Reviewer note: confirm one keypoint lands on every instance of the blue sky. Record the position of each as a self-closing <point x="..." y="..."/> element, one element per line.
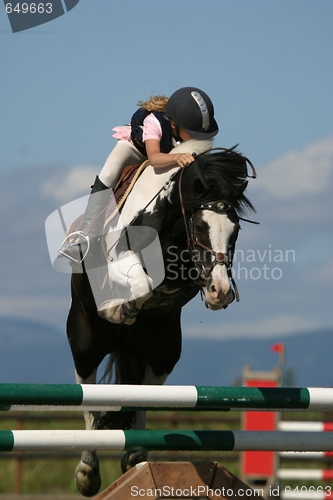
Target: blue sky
<point x="266" y="64"/>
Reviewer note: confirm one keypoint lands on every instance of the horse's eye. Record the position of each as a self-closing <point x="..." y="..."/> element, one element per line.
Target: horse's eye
<point x="198" y="229"/>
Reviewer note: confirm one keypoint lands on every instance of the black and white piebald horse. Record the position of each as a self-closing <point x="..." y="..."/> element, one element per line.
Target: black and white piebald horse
<point x="174" y="236"/>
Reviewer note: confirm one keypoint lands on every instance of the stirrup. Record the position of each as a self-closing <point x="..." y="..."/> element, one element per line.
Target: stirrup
<point x="76" y="242"/>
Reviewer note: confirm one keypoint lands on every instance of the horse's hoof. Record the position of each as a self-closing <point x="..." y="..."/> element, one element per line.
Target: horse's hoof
<point x="132" y="458"/>
<point x="87" y="476"/>
<point x="118" y="311"/>
<point x="129" y="312"/>
<point x="111" y="310"/>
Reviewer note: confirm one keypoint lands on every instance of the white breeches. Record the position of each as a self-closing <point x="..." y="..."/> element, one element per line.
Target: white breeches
<point x="122" y="155"/>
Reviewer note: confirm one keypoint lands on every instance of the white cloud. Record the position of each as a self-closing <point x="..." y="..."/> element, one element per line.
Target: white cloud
<point x="74" y="184"/>
<point x="298" y="173"/>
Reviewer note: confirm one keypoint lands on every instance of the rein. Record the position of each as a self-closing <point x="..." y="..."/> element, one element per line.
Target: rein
<point x="168" y="182"/>
<point x="163" y="188"/>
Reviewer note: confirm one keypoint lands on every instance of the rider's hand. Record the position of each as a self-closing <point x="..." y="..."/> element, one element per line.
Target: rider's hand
<point x="185" y="160"/>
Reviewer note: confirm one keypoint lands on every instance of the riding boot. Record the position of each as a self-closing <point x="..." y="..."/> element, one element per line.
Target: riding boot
<point x="76" y="246"/>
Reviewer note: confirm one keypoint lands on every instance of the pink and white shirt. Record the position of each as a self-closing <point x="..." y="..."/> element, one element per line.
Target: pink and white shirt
<point x="151" y="130"/>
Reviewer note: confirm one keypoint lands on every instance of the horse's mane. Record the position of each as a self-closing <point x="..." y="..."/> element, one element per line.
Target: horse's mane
<point x="217" y="176"/>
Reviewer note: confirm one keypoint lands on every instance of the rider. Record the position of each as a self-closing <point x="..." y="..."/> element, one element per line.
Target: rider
<point x="155" y="129"/>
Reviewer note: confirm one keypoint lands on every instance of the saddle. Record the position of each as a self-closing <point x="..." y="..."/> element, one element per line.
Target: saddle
<point x="123" y="187"/>
<point x="121" y="191"/>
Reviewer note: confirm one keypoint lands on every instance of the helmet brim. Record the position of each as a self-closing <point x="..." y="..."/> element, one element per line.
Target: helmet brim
<point x="213" y="130"/>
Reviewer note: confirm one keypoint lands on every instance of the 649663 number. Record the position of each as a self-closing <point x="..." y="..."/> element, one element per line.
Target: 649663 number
<point x="307" y="492"/>
<point x="32" y="8"/>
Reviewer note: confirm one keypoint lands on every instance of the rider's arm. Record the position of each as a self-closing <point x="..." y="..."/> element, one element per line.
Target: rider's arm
<point x="158" y="159"/>
<point x="152" y="135"/>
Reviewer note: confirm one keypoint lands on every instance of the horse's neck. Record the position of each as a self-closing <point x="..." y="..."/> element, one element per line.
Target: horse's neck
<point x="152" y="181"/>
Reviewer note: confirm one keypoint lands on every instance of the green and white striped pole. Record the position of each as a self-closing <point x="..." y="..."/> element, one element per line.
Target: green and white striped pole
<point x="55" y="440"/>
<point x="121" y="397"/>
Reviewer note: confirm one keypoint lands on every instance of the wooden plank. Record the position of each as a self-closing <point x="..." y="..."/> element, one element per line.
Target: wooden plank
<point x="182" y="475"/>
<point x="201" y="480"/>
<point x="230" y="485"/>
<point x="139" y="478"/>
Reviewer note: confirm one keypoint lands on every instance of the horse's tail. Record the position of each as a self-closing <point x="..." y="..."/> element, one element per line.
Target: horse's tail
<point x="122" y="367"/>
<point x="111" y="372"/>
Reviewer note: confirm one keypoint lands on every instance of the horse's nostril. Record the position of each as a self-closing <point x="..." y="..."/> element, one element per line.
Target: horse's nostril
<point x="213" y="292"/>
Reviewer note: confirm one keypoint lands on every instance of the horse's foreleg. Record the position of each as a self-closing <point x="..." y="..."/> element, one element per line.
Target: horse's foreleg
<point x="129" y="273"/>
<point x="87" y="475"/>
<point x="132" y="458"/>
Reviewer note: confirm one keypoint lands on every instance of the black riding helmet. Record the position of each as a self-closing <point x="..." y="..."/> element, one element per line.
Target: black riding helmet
<point x="192" y="109"/>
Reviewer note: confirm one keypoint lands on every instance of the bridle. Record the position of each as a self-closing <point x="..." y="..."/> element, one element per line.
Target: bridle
<point x="193" y="243"/>
<point x="218" y="206"/>
<point x="220" y="258"/>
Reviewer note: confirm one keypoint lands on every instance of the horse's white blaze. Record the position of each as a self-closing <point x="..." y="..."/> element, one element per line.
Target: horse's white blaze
<point x="220" y="230"/>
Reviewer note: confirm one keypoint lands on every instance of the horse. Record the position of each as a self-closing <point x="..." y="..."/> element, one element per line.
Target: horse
<point x="189" y="219"/>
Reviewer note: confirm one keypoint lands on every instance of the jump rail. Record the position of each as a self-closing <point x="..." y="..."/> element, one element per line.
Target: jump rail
<point x="305" y="474"/>
<point x="284" y="425"/>
<point x="25" y="440"/>
<point x="307" y="455"/>
<point x="132" y="397"/>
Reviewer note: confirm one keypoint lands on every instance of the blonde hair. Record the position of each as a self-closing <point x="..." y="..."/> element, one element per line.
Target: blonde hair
<point x="155" y="103"/>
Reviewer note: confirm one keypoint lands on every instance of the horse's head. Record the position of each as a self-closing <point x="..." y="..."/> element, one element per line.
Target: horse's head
<point x="213" y="236"/>
<point x="213" y="197"/>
